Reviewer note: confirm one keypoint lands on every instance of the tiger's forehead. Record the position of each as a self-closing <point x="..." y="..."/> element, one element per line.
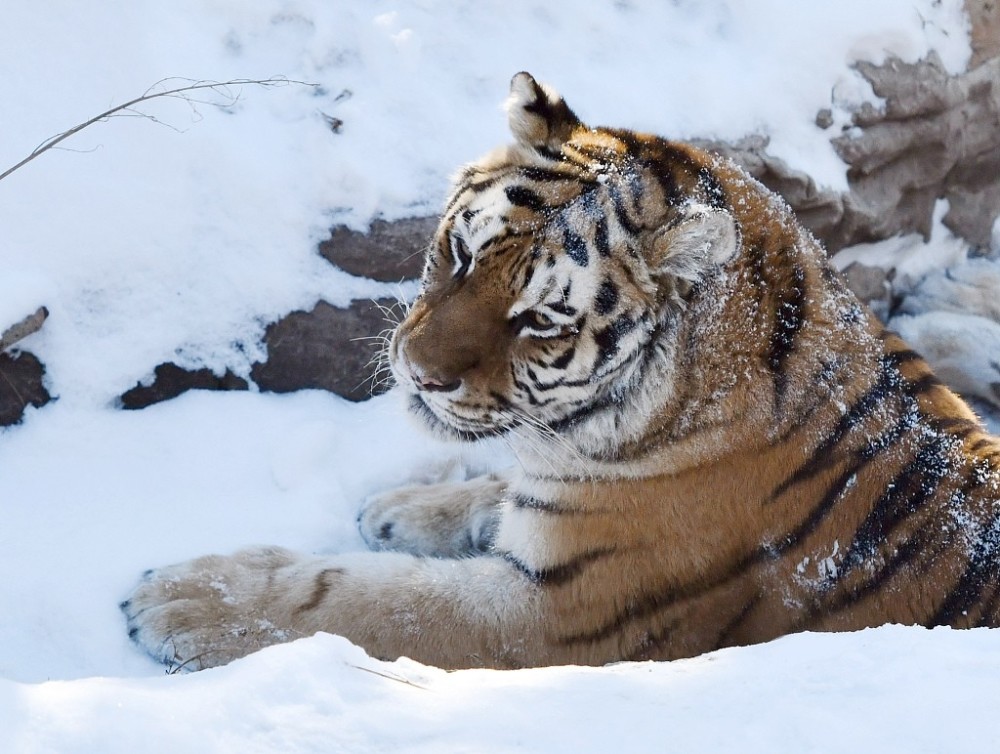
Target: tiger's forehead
<point x="481" y="218"/>
<point x="541" y="254"/>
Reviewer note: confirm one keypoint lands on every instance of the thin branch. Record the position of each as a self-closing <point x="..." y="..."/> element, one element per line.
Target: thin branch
<point x="387" y="676"/>
<point x="222" y="88"/>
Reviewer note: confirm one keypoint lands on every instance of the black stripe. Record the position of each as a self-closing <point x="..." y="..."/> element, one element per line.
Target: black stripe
<point x="460" y="250"/>
<point x="966" y="592"/>
<point x="789" y="316"/>
<point x="607" y="298"/>
<point x="906" y="354"/>
<point x="601" y="240"/>
<point x="957" y="424"/>
<point x="521" y="196"/>
<point x="983" y="442"/>
<point x="529" y="394"/>
<point x="562" y="308"/>
<point x="923" y="384"/>
<point x="621" y="213"/>
<point x="563" y="361"/>
<point x="661" y="159"/>
<point x="987" y="615"/>
<point x="503" y="236"/>
<point x="548" y="175"/>
<point x="981" y="569"/>
<point x="712" y="186"/>
<point x="474" y="187"/>
<point x="581" y="411"/>
<point x="562" y="574"/>
<point x="575" y="247"/>
<point x="526" y="502"/>
<point x="607" y="338"/>
<point x="724" y="637"/>
<point x="920" y="545"/>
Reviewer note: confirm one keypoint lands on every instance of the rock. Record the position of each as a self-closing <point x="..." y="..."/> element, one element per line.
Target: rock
<point x="873" y="285"/>
<point x="970" y="288"/>
<point x="170" y="380"/>
<point x="984" y="16"/>
<point x="389" y="251"/>
<point x="937" y="136"/>
<point x="961" y="349"/>
<point x="328" y="348"/>
<point x="21" y="385"/>
<point x="952" y="318"/>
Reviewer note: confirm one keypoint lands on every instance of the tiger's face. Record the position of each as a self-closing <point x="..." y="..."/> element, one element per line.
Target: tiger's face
<point x="553" y="277"/>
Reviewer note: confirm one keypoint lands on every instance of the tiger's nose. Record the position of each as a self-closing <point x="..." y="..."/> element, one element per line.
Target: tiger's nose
<point x="435" y="385"/>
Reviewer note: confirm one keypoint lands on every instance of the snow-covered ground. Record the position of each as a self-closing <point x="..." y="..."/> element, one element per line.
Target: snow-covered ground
<point x="181" y="239"/>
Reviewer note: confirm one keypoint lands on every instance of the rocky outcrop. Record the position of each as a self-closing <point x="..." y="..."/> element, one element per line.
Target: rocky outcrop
<point x="326" y="348"/>
<point x="21" y="376"/>
<point x="170" y="380"/>
<point x="937" y="137"/>
<point x="329" y="348"/>
<point x="388" y="252"/>
<point x="952" y="318"/>
<point x="984" y="19"/>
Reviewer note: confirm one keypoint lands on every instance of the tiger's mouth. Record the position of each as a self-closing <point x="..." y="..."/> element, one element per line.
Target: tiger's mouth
<point x="453" y="426"/>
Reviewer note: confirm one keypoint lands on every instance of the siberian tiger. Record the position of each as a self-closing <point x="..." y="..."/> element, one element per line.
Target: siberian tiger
<point x="717" y="443"/>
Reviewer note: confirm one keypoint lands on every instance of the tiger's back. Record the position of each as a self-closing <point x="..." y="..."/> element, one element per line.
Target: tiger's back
<point x="717" y="443"/>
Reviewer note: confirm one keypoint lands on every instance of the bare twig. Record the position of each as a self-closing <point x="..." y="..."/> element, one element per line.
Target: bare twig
<point x="224" y="89"/>
<point x="23" y="329"/>
<point x="387" y="676"/>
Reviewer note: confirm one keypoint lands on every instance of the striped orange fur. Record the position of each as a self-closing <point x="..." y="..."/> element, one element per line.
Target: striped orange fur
<point x="717" y="443"/>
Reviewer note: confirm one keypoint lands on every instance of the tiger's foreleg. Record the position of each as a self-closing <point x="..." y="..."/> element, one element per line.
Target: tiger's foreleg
<point x="446" y="612"/>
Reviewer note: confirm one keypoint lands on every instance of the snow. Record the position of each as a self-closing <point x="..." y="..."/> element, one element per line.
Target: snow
<point x="798" y="694"/>
<point x="181" y="239"/>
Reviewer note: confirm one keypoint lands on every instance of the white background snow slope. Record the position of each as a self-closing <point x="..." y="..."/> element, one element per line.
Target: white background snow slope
<point x="152" y="242"/>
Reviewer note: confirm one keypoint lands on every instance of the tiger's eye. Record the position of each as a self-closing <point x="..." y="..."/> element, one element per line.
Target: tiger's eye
<point x="538" y="320"/>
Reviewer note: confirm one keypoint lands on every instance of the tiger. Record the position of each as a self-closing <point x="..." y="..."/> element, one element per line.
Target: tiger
<point x="716" y="443"/>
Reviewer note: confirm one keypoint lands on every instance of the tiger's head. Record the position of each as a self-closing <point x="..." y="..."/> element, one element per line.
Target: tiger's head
<point x="559" y="290"/>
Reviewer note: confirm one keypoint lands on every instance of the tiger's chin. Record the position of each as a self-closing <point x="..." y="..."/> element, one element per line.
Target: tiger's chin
<point x="447" y="428"/>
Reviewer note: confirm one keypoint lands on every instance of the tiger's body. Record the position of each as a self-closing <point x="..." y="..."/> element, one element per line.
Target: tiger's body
<point x="717" y="443"/>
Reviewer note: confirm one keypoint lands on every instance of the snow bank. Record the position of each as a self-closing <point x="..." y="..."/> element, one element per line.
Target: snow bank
<point x="887" y="690"/>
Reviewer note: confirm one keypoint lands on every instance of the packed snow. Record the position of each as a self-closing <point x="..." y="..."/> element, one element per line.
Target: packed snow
<point x="180" y="232"/>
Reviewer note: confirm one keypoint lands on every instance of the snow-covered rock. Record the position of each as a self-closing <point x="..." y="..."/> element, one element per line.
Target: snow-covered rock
<point x="963" y="349"/>
<point x="952" y="318"/>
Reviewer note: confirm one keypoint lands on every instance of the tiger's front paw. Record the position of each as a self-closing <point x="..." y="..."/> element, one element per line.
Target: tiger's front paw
<point x="452" y="519"/>
<point x="211" y="610"/>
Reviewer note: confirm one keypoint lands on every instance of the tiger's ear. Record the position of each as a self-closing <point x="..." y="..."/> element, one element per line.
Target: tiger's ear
<point x="539" y="117"/>
<point x="704" y="237"/>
